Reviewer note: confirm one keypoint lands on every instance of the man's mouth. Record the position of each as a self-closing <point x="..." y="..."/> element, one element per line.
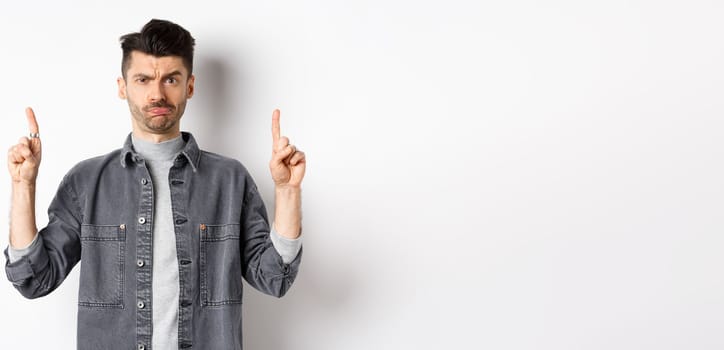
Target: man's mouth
<point x="159" y="110"/>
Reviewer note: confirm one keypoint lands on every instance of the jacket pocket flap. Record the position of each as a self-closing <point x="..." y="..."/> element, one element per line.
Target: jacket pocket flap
<point x="102" y="232"/>
<point x="219" y="232"/>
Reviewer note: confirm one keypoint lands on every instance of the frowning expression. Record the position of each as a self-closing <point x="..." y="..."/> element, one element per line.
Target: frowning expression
<point x="156" y="89"/>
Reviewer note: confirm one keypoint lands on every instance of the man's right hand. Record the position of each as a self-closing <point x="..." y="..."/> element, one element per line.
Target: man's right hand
<point x="24" y="158"/>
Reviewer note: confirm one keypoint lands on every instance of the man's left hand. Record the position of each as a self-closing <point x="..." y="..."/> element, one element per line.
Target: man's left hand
<point x="288" y="163"/>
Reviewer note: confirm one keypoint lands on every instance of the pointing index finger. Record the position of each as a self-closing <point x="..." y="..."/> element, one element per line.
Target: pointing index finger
<point x="32" y="122"/>
<point x="276" y="129"/>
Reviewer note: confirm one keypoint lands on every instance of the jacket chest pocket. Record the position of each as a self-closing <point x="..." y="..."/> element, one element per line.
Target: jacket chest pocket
<point x="220" y="264"/>
<point x="102" y="259"/>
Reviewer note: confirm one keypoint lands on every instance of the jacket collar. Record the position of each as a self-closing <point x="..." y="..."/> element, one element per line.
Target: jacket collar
<point x="190" y="152"/>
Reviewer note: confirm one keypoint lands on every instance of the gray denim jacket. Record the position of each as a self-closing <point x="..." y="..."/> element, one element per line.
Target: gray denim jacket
<point x="102" y="216"/>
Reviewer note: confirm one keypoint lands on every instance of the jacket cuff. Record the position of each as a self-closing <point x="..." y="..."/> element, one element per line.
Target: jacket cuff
<point x="35" y="260"/>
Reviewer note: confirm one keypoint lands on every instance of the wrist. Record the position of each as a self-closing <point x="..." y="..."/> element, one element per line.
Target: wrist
<point x="287" y="211"/>
<point x="287" y="188"/>
<point x="23" y="186"/>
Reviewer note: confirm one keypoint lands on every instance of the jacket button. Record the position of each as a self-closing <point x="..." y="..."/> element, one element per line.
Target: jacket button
<point x="140" y="263"/>
<point x="202" y="226"/>
<point x="122" y="226"/>
<point x="141" y="221"/>
<point x="141" y="347"/>
<point x="141" y="305"/>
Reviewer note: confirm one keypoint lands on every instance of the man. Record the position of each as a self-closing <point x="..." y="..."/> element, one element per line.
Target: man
<point x="164" y="231"/>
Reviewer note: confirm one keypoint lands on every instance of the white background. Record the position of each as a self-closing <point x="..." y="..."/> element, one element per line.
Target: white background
<point x="482" y="174"/>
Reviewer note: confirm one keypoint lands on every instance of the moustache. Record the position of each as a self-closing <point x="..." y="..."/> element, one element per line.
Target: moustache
<point x="158" y="105"/>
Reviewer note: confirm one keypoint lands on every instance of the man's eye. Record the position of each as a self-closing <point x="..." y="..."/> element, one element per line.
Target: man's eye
<point x="141" y="80"/>
<point x="171" y="80"/>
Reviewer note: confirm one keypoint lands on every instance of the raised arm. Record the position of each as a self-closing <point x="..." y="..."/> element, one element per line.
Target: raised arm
<point x="23" y="163"/>
<point x="38" y="262"/>
<point x="287" y="169"/>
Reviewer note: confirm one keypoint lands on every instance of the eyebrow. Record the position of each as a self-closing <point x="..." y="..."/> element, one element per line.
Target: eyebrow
<point x="174" y="73"/>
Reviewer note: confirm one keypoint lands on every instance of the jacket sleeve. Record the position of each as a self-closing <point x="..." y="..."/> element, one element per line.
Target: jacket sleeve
<point x="56" y="251"/>
<point x="262" y="266"/>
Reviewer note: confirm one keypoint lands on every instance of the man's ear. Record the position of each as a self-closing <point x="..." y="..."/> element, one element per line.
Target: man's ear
<point x="190" y="86"/>
<point x="121" y="88"/>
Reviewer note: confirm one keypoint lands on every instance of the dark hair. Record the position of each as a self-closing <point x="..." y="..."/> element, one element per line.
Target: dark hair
<point x="159" y="38"/>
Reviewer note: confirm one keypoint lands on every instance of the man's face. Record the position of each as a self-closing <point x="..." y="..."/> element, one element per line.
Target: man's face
<point x="156" y="89"/>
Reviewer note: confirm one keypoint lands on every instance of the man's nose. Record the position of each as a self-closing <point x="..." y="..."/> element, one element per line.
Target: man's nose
<point x="155" y="92"/>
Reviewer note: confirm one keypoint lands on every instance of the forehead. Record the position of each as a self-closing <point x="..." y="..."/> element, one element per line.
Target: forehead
<point x="150" y="65"/>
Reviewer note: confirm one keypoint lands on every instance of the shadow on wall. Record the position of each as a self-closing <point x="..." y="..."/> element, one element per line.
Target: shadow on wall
<point x="321" y="291"/>
<point x="212" y="101"/>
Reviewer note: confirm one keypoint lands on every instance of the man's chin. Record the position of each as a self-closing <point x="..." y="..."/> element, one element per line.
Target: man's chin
<point x="160" y="125"/>
<point x="159" y="116"/>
